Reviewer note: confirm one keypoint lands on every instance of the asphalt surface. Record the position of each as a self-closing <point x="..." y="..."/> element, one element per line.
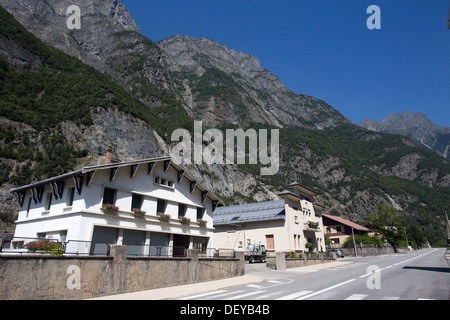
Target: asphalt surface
<point x="417" y="275"/>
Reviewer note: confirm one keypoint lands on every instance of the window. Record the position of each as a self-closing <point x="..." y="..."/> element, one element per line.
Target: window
<point x="163" y="182"/>
<point x="270" y="243"/>
<point x="181" y="210"/>
<point x="161" y="206"/>
<point x="200" y="213"/>
<point x="70" y="196"/>
<point x="335" y="241"/>
<point x="136" y="201"/>
<point x="109" y="196"/>
<point x="296" y="219"/>
<point x="338" y="229"/>
<point x="48" y="201"/>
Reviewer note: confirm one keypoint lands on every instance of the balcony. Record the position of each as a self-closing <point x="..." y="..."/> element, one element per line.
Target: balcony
<point x="311" y="226"/>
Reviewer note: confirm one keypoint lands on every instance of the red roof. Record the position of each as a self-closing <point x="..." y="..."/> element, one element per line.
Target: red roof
<point x="347" y="223"/>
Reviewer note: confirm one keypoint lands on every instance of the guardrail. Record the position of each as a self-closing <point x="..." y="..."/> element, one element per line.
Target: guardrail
<point x="89" y="248"/>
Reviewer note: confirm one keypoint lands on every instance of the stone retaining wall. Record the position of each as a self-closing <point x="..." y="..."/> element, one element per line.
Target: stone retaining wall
<point x="37" y="277"/>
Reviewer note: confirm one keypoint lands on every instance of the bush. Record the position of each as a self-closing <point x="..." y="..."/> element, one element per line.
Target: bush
<point x="55" y="248"/>
<point x="364" y="239"/>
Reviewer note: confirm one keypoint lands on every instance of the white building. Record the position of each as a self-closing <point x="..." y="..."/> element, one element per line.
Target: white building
<point x="283" y="225"/>
<point x="68" y="208"/>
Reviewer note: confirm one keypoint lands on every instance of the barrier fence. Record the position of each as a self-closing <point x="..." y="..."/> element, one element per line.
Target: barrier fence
<point x="79" y="247"/>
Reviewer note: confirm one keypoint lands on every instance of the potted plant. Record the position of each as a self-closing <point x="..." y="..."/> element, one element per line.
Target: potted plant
<point x="163" y="217"/>
<point x="138" y="213"/>
<point x="313" y="225"/>
<point x="110" y="208"/>
<point x="45" y="246"/>
<point x="184" y="220"/>
<point x="309" y="246"/>
<point x="202" y="223"/>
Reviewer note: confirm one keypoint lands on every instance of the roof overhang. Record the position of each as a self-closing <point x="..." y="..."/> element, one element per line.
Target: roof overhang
<point x="303" y="190"/>
<point x="347" y="223"/>
<point x="169" y="161"/>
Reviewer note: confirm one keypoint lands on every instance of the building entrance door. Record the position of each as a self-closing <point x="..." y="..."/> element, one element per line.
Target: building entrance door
<point x="180" y="245"/>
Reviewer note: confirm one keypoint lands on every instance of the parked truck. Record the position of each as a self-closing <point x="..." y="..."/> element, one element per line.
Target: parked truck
<point x="255" y="252"/>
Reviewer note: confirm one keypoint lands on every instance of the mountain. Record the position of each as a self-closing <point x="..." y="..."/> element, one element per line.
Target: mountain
<point x="417" y="126"/>
<point x="221" y="85"/>
<point x="67" y="94"/>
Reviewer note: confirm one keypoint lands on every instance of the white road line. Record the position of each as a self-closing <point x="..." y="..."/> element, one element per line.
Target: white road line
<point x="256" y="286"/>
<point x="227" y="294"/>
<point x="270" y="294"/>
<point x="294" y="295"/>
<point x="325" y="290"/>
<point x="245" y="295"/>
<point x="203" y="295"/>
<point x="356" y="297"/>
<point x="365" y="275"/>
<point x="390" y="298"/>
<point x="275" y="281"/>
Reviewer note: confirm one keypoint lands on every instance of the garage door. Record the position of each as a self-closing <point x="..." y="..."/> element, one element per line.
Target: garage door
<point x="102" y="238"/>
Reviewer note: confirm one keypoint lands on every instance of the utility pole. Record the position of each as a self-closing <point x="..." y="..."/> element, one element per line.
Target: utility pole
<point x="448" y="227"/>
<point x="354" y="243"/>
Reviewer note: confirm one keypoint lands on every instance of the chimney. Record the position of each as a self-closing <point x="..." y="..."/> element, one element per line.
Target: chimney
<point x="108" y="159"/>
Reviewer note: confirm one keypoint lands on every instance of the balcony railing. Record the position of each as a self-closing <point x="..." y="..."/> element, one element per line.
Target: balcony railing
<point x="311" y="226"/>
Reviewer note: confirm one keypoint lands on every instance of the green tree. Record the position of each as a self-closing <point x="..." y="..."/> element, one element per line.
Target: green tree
<point x="390" y="224"/>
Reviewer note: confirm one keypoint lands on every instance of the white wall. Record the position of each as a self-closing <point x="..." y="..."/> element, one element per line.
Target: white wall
<point x="229" y="236"/>
<point x="79" y="219"/>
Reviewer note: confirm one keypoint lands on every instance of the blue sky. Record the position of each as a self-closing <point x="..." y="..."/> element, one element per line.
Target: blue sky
<point x="323" y="48"/>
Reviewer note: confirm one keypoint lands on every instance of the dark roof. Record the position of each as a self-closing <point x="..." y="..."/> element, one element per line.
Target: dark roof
<point x="262" y="211"/>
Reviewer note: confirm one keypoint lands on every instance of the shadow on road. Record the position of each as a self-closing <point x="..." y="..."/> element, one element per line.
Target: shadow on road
<point x="429" y="269"/>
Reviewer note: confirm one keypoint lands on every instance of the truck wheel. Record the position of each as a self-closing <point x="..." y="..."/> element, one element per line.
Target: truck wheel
<point x="251" y="260"/>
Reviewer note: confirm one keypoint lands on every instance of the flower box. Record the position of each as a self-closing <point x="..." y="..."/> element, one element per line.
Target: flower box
<point x="202" y="223"/>
<point x="45" y="246"/>
<point x="163" y="217"/>
<point x="184" y="221"/>
<point x="138" y="213"/>
<point x="109" y="208"/>
<point x="313" y="225"/>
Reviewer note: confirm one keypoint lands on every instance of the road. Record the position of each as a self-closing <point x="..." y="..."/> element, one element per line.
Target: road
<point x="417" y="275"/>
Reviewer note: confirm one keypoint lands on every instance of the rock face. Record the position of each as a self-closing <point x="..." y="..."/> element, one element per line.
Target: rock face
<point x="417" y="126"/>
<point x="197" y="65"/>
<point x="182" y="79"/>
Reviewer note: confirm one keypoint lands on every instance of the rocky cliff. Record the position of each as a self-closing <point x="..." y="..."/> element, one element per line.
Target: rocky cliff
<point x="221" y="85"/>
<point x="417" y="126"/>
<point x="137" y="92"/>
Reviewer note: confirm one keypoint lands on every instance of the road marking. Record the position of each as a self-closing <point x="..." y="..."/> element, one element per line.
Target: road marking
<point x="270" y="294"/>
<point x="203" y="295"/>
<point x="227" y="294"/>
<point x="356" y="297"/>
<point x="390" y="298"/>
<point x="326" y="289"/>
<point x="294" y="295"/>
<point x="276" y="281"/>
<point x="245" y="295"/>
<point x="256" y="286"/>
<point x="365" y="275"/>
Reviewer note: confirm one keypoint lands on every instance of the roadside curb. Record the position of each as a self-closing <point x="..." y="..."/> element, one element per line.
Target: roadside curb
<point x="183" y="290"/>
